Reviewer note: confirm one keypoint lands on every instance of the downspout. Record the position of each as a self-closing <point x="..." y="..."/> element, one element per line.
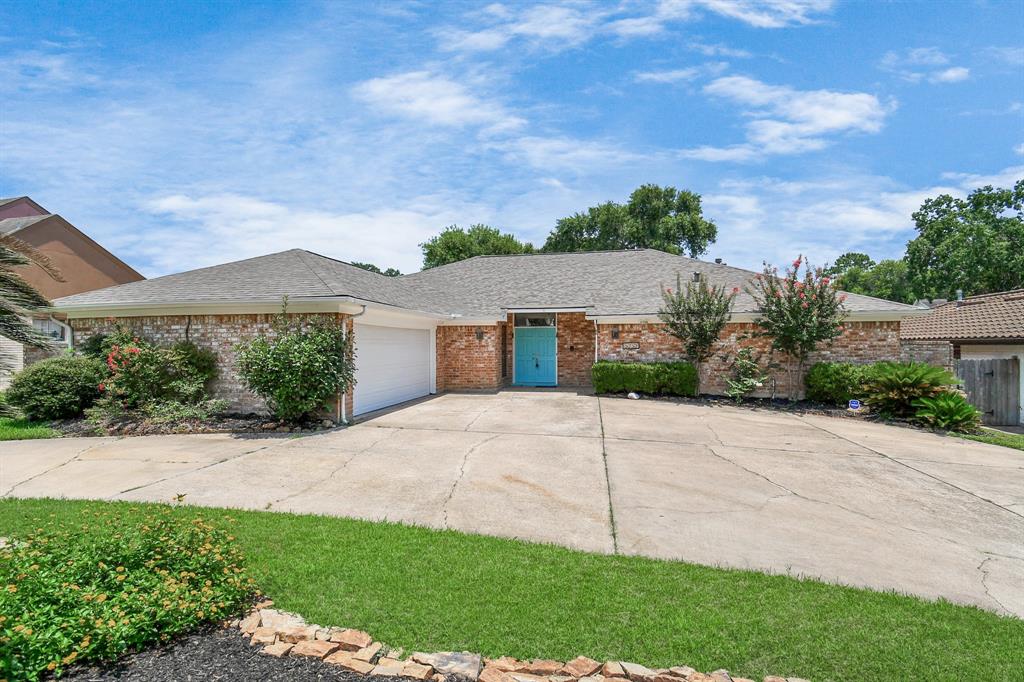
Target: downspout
<point x="597" y="339"/>
<point x="340" y="412"/>
<point x="68" y="331"/>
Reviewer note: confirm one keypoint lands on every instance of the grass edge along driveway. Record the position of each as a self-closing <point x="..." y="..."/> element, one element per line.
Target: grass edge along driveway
<point x="441" y="590"/>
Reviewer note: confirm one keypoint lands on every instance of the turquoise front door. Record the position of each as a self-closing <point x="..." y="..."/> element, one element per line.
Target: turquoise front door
<point x="535" y="356"/>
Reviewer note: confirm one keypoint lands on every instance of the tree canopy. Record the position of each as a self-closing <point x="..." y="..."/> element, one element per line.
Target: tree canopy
<point x="455" y="244"/>
<point x="390" y="272"/>
<point x="974" y="244"/>
<point x="858" y="273"/>
<point x="654" y="217"/>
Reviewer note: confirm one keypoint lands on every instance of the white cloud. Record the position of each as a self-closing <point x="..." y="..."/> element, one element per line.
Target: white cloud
<point x="561" y="26"/>
<point x="38" y="70"/>
<point x="923" y="63"/>
<point x="437" y="99"/>
<point x="760" y="13"/>
<point x="1019" y="149"/>
<point x="229" y="227"/>
<point x="951" y="75"/>
<point x="1014" y="56"/>
<point x="1004" y="178"/>
<point x="676" y="75"/>
<point x="566" y="154"/>
<point x="790" y="121"/>
<point x="719" y="50"/>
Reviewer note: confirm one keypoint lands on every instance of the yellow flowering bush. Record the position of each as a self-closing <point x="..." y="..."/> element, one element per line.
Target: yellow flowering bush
<point x="112" y="583"/>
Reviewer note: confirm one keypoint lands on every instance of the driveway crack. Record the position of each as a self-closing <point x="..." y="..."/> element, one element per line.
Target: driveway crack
<point x="458" y="479"/>
<point x="333" y="471"/>
<point x="984" y="584"/>
<point x="830" y="503"/>
<point x="55" y="467"/>
<point x="923" y="473"/>
<point x="191" y="471"/>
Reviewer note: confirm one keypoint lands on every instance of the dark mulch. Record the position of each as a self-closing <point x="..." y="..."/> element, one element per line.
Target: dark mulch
<point x="222" y="655"/>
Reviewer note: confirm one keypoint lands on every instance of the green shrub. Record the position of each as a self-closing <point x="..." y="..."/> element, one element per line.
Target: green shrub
<point x="667" y="378"/>
<point x="171" y="411"/>
<point x="190" y="368"/>
<point x="57" y="388"/>
<point x="948" y="411"/>
<point x="94" y="347"/>
<point x="835" y="383"/>
<point x="299" y="369"/>
<point x="890" y="388"/>
<point x="97" y="589"/>
<point x="747" y="375"/>
<point x="141" y="373"/>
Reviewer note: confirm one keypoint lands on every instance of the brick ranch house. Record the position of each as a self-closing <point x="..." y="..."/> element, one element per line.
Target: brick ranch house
<point x="479" y="324"/>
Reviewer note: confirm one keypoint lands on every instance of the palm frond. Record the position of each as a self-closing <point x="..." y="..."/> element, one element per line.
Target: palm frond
<point x="27" y="251"/>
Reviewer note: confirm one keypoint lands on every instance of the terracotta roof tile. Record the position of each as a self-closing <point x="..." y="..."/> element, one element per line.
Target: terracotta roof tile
<point x="987" y="316"/>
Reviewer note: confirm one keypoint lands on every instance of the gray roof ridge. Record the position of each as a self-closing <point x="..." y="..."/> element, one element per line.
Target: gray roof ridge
<point x="349" y="263"/>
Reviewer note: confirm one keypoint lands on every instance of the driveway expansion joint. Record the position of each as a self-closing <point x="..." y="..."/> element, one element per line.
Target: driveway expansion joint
<point x="608" y="481"/>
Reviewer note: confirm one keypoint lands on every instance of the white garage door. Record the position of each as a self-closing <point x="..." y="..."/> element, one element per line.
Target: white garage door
<point x="392" y="366"/>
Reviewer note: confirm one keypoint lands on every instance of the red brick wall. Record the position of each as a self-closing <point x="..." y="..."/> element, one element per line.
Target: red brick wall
<point x="575" y="348"/>
<point x="938" y="353"/>
<point x="465" y="362"/>
<point x="218" y="333"/>
<point x="861" y="342"/>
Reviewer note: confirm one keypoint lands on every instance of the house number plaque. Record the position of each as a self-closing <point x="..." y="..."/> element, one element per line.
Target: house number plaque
<point x="631" y="345"/>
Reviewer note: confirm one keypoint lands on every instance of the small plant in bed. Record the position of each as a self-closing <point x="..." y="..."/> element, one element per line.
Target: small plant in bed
<point x="109" y="584"/>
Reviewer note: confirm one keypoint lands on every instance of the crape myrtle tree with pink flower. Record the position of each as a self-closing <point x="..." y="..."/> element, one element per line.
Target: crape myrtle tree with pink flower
<point x="797" y="311"/>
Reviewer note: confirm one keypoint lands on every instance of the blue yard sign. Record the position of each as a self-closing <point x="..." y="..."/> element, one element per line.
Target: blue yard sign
<point x="854" y="404"/>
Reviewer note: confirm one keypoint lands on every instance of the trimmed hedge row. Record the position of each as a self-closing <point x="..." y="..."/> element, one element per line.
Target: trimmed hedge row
<point x="653" y="378"/>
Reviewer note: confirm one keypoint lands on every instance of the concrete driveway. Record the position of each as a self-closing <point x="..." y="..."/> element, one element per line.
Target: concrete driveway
<point x="837" y="499"/>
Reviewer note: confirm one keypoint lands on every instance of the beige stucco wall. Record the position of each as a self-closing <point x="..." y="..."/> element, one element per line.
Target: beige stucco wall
<point x="84" y="264"/>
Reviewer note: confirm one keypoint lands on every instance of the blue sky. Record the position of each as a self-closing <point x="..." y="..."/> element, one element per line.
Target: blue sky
<point x="188" y="134"/>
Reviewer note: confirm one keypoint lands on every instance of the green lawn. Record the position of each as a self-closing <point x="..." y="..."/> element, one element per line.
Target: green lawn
<point x="19" y="429"/>
<point x="1007" y="440"/>
<point x="442" y="590"/>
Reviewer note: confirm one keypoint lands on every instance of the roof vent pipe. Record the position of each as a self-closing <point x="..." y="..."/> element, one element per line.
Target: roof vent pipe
<point x="959" y="294"/>
<point x="718" y="261"/>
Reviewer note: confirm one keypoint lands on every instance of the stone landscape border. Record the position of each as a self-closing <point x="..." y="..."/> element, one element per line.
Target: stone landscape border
<point x="285" y="634"/>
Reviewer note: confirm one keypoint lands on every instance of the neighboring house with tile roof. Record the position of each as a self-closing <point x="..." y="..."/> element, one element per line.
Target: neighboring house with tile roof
<point x="478" y="324"/>
<point x="84" y="265"/>
<point x="987" y="327"/>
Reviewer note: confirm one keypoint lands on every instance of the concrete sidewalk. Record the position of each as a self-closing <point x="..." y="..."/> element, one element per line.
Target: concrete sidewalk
<point x="836" y="499"/>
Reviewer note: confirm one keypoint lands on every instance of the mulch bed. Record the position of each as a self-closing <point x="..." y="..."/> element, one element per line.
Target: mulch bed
<point x="220" y="654"/>
<point x="756" y="405"/>
<point x="229" y="423"/>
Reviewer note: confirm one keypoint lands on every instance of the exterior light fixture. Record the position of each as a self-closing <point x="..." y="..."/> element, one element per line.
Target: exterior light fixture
<point x="696" y="277"/>
<point x="479" y="334"/>
<point x="615" y="332"/>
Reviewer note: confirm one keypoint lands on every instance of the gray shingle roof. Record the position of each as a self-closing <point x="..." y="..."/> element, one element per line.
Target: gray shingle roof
<point x="603" y="282"/>
<point x="12" y="225"/>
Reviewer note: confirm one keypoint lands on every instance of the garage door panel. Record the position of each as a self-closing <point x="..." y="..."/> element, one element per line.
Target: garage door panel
<point x="392" y="366"/>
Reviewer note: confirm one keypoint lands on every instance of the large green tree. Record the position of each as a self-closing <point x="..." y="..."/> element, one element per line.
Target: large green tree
<point x="858" y="273"/>
<point x="655" y="217"/>
<point x="455" y="244"/>
<point x="974" y="244"/>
